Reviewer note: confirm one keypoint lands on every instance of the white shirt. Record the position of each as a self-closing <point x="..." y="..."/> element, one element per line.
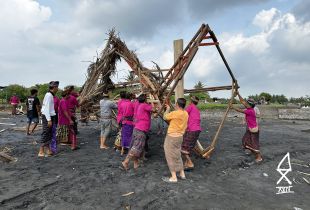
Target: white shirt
<point x="48" y="106"/>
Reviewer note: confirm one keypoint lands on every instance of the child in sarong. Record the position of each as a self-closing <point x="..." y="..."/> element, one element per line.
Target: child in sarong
<point x="192" y="132"/>
<point x="250" y="139"/>
<point x="174" y="138"/>
<point x="139" y="136"/>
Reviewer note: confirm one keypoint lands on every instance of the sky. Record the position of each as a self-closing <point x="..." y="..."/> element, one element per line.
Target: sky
<point x="266" y="42"/>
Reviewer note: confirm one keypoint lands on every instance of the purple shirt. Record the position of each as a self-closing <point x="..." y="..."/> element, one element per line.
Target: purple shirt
<point x="250" y="117"/>
<point x="127" y="109"/>
<point x="193" y="123"/>
<point x="143" y="117"/>
<point x="62" y="119"/>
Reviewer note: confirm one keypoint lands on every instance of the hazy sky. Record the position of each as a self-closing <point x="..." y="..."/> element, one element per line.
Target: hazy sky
<point x="266" y="43"/>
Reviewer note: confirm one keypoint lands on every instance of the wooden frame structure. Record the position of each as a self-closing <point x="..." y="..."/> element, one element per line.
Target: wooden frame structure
<point x="153" y="82"/>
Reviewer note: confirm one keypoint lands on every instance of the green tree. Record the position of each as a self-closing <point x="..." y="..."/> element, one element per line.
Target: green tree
<point x="19" y="90"/>
<point x="202" y="95"/>
<point x="199" y="85"/>
<point x="266" y="96"/>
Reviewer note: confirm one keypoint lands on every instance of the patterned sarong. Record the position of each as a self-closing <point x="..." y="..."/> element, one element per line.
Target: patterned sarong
<point x="137" y="143"/>
<point x="189" y="141"/>
<point x="47" y="132"/>
<point x="251" y="141"/>
<point x="63" y="134"/>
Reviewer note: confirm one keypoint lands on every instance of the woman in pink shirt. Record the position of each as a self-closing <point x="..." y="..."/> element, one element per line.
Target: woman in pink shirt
<point x="250" y="139"/>
<point x="119" y="105"/>
<point x="14" y="101"/>
<point x="65" y="130"/>
<point x="192" y="132"/>
<point x="127" y="110"/>
<point x="139" y="136"/>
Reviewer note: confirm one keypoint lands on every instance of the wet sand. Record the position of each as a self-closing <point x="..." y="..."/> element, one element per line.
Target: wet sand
<point x="90" y="178"/>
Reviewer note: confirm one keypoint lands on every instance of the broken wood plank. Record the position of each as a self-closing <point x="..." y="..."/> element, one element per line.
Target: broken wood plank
<point x="7" y="157"/>
<point x="127" y="194"/>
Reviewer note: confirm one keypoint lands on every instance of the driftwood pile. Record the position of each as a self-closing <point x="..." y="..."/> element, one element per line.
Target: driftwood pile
<point x="99" y="73"/>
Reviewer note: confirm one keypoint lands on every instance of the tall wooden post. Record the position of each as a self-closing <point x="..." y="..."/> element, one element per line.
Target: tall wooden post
<point x="178" y="49"/>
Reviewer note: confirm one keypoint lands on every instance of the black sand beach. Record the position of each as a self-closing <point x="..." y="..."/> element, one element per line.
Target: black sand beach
<point x="90" y="178"/>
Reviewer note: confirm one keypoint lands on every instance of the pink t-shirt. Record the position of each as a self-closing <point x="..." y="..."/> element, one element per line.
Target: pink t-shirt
<point x="62" y="119"/>
<point x="193" y="123"/>
<point x="127" y="112"/>
<point x="56" y="103"/>
<point x="14" y="100"/>
<point x="143" y="117"/>
<point x="72" y="103"/>
<point x="135" y="108"/>
<point x="119" y="110"/>
<point x="250" y="117"/>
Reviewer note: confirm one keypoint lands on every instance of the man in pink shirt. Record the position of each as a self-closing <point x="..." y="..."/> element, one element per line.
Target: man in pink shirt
<point x="14" y="101"/>
<point x="250" y="139"/>
<point x="139" y="136"/>
<point x="192" y="132"/>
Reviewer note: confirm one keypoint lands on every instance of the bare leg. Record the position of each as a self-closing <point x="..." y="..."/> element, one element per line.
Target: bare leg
<point x="102" y="143"/>
<point x="41" y="151"/>
<point x="135" y="163"/>
<point x="182" y="174"/>
<point x="173" y="176"/>
<point x="49" y="151"/>
<point x="33" y="128"/>
<point x="188" y="162"/>
<point x="258" y="157"/>
<point x="125" y="163"/>
<point x="27" y="129"/>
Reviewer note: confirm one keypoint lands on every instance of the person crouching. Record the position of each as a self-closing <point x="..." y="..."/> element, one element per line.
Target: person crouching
<point x="174" y="138"/>
<point x="139" y="136"/>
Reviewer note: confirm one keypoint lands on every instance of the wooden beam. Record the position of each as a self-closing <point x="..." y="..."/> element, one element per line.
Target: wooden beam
<point x="160" y="70"/>
<point x="178" y="49"/>
<point x="7" y="157"/>
<point x="228" y="87"/>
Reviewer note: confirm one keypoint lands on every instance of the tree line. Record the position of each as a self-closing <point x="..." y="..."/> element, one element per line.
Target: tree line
<point x="23" y="92"/>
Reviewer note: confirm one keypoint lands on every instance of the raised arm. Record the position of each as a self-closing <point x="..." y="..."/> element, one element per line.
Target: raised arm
<point x="243" y="101"/>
